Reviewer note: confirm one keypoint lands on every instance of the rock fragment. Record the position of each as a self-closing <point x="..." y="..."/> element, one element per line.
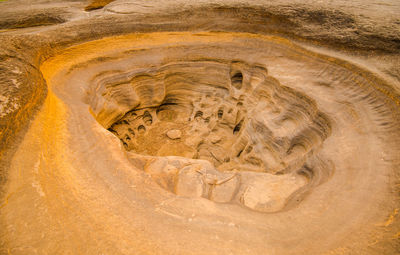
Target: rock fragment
<point x="174" y="134"/>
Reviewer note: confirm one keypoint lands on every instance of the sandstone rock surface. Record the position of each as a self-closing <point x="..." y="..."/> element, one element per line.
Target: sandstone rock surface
<point x="199" y="127"/>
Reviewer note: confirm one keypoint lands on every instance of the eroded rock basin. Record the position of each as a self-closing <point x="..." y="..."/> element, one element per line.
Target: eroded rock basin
<point x="227" y="112"/>
<point x="242" y="142"/>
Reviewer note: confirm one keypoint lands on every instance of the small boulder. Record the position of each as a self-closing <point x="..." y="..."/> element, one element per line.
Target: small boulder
<point x="174" y="134"/>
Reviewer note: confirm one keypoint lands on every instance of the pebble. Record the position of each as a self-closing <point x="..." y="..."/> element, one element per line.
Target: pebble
<point x="174" y="134"/>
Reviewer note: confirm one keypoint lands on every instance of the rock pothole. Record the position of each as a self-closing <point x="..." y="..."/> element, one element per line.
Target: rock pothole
<point x="225" y="118"/>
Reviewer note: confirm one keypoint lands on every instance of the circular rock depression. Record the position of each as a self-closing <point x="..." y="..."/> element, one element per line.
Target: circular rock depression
<point x="261" y="136"/>
<point x="249" y="144"/>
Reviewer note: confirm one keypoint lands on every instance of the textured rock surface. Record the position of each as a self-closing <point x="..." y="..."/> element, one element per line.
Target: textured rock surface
<point x="138" y="129"/>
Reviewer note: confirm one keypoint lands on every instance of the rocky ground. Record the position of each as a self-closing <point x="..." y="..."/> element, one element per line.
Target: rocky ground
<point x="199" y="127"/>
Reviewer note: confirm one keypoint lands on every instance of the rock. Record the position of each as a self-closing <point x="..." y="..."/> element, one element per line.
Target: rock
<point x="174" y="134"/>
<point x="214" y="138"/>
<point x="190" y="182"/>
<point x="224" y="188"/>
<point x="269" y="193"/>
<point x="255" y="102"/>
